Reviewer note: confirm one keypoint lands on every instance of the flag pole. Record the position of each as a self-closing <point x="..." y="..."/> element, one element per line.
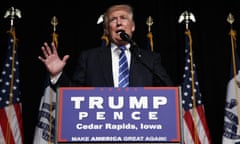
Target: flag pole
<point x="149" y="23"/>
<point x="233" y="35"/>
<point x="188" y="33"/>
<point x="54" y="22"/>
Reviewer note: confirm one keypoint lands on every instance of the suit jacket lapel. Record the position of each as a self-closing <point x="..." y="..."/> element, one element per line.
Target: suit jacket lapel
<point x="105" y="61"/>
<point x="132" y="75"/>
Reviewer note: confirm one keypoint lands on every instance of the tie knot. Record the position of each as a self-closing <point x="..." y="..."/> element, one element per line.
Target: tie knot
<point x="122" y="48"/>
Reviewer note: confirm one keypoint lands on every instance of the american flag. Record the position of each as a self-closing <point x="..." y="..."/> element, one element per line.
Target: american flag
<point x="195" y="129"/>
<point x="231" y="129"/>
<point x="11" y="129"/>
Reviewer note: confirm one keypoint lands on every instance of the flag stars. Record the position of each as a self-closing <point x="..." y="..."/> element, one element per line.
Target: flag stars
<point x="7" y="65"/>
<point x="196" y="83"/>
<point x="3" y="73"/>
<point x="7" y="83"/>
<point x="188" y="86"/>
<point x="184" y="75"/>
<point x="10" y="76"/>
<point x="3" y="91"/>
<point x="199" y="94"/>
<point x="7" y="102"/>
<point x="190" y="79"/>
<point x="14" y="87"/>
<point x="18" y="99"/>
<point x="183" y="102"/>
<point x="199" y="102"/>
<point x="190" y="105"/>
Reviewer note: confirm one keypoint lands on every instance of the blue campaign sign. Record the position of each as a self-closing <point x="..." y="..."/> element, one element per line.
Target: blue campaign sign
<point x="104" y="114"/>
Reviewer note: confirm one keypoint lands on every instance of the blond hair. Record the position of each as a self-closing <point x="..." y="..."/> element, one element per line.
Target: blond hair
<point x="125" y="7"/>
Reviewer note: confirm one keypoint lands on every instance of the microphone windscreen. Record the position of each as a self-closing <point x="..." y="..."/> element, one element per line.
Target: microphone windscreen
<point x="124" y="36"/>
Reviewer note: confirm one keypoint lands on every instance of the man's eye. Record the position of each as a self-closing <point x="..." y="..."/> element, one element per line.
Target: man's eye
<point x="124" y="17"/>
<point x="113" y="20"/>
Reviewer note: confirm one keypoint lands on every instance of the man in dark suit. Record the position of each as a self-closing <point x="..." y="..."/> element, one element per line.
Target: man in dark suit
<point x="99" y="66"/>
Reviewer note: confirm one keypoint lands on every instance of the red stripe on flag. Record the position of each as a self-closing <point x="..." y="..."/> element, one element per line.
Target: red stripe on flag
<point x="203" y="121"/>
<point x="17" y="108"/>
<point x="191" y="127"/>
<point x="6" y="129"/>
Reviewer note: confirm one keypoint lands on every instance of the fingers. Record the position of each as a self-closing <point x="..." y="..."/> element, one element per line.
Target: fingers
<point x="65" y="58"/>
<point x="41" y="59"/>
<point x="54" y="49"/>
<point x="47" y="51"/>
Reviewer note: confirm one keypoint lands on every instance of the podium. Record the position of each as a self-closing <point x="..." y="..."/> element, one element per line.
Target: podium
<point x="118" y="115"/>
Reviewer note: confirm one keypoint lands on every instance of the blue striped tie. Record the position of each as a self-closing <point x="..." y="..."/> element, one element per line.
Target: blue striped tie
<point x="123" y="78"/>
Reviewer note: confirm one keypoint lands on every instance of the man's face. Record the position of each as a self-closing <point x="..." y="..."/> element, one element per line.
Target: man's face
<point x="119" y="19"/>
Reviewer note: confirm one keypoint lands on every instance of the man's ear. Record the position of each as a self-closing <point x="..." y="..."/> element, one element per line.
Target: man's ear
<point x="105" y="31"/>
<point x="133" y="27"/>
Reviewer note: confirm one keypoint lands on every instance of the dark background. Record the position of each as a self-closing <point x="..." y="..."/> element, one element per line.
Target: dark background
<point x="78" y="31"/>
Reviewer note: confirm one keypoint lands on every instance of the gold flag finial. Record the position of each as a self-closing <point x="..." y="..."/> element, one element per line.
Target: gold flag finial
<point x="149" y="22"/>
<point x="230" y="18"/>
<point x="54" y="22"/>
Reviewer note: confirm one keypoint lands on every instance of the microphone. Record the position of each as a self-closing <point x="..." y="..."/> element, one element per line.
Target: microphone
<point x="124" y="36"/>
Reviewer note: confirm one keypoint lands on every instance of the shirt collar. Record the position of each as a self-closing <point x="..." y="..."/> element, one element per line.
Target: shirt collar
<point x="114" y="46"/>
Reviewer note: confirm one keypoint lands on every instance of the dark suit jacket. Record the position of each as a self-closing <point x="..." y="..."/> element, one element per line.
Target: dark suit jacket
<point x="94" y="68"/>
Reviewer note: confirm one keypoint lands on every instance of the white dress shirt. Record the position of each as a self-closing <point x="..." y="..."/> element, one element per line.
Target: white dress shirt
<point x="115" y="58"/>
